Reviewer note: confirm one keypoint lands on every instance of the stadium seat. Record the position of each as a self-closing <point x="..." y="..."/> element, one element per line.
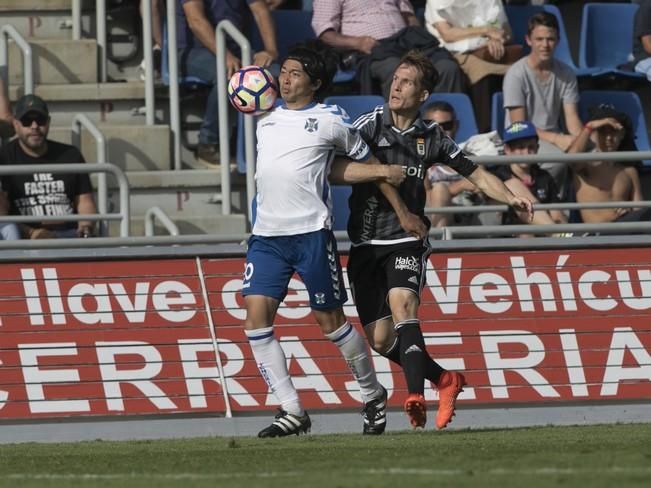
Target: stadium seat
<point x="624" y="101"/>
<point x="606" y="40"/>
<point x="463" y="108"/>
<point x="519" y="15"/>
<point x="292" y="27"/>
<point x="497" y="112"/>
<point x="355" y="105"/>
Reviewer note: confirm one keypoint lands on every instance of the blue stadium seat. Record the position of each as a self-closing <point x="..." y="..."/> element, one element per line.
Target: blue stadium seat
<point x="519" y="15"/>
<point x="624" y="101"/>
<point x="497" y="112"/>
<point x="355" y="105"/>
<point x="292" y="27"/>
<point x="607" y="38"/>
<point x="465" y="113"/>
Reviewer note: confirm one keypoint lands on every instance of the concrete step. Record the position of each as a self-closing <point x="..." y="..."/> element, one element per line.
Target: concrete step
<point x="115" y="103"/>
<point x="132" y="148"/>
<point x="38" y="5"/>
<point x="191" y="198"/>
<point x="44" y="24"/>
<point x="56" y="61"/>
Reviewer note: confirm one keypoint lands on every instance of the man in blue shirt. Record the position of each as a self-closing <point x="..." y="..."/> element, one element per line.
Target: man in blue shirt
<point x="196" y="22"/>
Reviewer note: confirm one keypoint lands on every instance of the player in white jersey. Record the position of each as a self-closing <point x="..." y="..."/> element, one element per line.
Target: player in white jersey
<point x="297" y="143"/>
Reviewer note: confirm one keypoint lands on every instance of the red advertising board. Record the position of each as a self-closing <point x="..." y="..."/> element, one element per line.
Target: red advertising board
<point x="137" y="337"/>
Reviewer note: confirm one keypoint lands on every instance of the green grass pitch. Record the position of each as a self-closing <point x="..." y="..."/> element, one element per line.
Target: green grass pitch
<point x="588" y="456"/>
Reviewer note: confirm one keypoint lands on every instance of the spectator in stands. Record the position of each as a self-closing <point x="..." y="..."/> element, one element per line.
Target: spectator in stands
<point x="6" y="117"/>
<point x="196" y="22"/>
<point x="378" y="35"/>
<point x="642" y="38"/>
<point x="542" y="89"/>
<point x="478" y="34"/>
<point x="607" y="130"/>
<point x="443" y="185"/>
<point x="43" y="193"/>
<point x="527" y="180"/>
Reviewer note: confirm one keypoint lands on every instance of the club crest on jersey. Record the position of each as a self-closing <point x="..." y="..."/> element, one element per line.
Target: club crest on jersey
<point x="420" y="146"/>
<point x="311" y="124"/>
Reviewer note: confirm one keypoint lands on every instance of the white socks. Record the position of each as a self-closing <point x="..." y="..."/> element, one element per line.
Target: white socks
<point x="353" y="347"/>
<point x="273" y="367"/>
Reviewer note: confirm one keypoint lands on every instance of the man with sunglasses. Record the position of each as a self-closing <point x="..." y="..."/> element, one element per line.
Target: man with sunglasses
<point x="44" y="193"/>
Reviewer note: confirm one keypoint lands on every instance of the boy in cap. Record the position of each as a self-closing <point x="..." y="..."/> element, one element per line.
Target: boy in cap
<point x="43" y="193"/>
<point x="529" y="180"/>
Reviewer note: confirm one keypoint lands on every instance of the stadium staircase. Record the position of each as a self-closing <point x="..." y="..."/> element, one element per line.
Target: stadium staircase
<point x="66" y="76"/>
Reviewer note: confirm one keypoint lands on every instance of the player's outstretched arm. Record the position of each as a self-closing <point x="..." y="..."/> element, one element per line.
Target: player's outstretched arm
<point x="493" y="187"/>
<point x="348" y="172"/>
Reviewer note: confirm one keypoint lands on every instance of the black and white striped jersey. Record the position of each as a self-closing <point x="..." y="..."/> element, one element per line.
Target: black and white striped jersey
<point x="372" y="219"/>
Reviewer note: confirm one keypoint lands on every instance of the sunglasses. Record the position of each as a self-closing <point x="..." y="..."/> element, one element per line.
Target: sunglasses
<point x="447" y="125"/>
<point x="40" y="119"/>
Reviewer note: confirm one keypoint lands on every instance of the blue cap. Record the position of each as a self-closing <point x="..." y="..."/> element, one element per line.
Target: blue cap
<point x="519" y="130"/>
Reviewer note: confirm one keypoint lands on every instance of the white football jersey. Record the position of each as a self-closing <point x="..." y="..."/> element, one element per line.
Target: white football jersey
<point x="295" y="151"/>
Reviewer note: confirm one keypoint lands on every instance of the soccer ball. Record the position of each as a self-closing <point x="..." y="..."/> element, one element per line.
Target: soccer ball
<point x="252" y="90"/>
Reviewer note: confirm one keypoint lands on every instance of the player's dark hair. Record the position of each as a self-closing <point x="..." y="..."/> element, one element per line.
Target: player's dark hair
<point x="318" y="62"/>
<point x="545" y="19"/>
<point x="429" y="77"/>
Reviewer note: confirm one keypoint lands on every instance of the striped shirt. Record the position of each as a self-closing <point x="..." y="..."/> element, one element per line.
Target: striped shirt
<point x="379" y="19"/>
<point x="372" y="219"/>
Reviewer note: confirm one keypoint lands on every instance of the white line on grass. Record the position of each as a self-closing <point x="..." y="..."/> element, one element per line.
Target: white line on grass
<point x="378" y="472"/>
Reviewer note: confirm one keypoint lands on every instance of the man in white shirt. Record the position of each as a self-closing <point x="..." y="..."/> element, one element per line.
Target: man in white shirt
<point x="297" y="143"/>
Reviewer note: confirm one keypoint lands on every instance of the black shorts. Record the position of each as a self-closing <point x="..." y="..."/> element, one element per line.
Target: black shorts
<point x="375" y="269"/>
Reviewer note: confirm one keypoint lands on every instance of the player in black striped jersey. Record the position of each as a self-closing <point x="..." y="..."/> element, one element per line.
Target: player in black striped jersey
<point x="388" y="230"/>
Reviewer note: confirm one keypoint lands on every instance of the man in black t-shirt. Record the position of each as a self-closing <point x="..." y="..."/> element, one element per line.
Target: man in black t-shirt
<point x="45" y="193"/>
<point x="389" y="249"/>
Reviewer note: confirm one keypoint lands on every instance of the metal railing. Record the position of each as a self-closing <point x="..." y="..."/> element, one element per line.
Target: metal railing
<point x="563" y="158"/>
<point x="148" y="47"/>
<point x="76" y="20"/>
<point x="157" y="212"/>
<point x="173" y="87"/>
<point x="100" y="28"/>
<point x="223" y="28"/>
<point x="7" y="31"/>
<point x="79" y="121"/>
<point x="123" y="184"/>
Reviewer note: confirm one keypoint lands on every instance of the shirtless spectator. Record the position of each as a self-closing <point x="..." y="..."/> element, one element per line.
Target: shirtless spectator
<point x="607" y="181"/>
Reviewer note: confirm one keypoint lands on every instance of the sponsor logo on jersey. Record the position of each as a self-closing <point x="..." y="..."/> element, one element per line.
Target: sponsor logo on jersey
<point x="409" y="263"/>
